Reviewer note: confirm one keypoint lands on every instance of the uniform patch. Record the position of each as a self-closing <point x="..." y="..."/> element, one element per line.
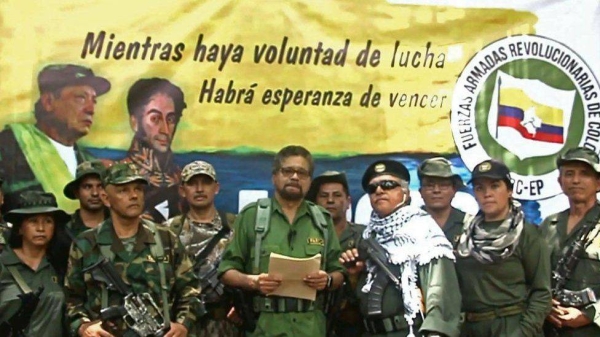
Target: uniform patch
<point x="54" y="279"/>
<point x="150" y="258"/>
<point x="350" y="244"/>
<point x="316" y="241"/>
<point x="379" y="168"/>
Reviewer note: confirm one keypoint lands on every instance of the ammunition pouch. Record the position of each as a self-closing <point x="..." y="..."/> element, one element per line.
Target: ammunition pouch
<point x="285" y="304"/>
<point x="378" y="326"/>
<point x="577" y="299"/>
<point x="493" y="314"/>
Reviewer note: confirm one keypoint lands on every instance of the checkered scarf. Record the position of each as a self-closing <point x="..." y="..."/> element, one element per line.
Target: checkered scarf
<point x="411" y="239"/>
<point x="495" y="245"/>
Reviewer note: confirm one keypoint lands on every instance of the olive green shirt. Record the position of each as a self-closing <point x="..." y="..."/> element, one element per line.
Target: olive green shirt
<point x="300" y="238"/>
<point x="454" y="224"/>
<point x="522" y="278"/>
<point x="47" y="319"/>
<point x="587" y="271"/>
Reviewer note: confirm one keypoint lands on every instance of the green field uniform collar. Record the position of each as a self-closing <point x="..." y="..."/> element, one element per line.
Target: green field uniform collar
<point x="580" y="154"/>
<point x="302" y="210"/>
<point x="108" y="236"/>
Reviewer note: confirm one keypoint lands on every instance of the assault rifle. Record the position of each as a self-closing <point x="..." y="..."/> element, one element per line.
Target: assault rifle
<point x="242" y="302"/>
<point x="139" y="311"/>
<point x="15" y="326"/>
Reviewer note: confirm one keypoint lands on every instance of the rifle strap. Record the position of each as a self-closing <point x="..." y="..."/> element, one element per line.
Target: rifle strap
<point x="320" y="221"/>
<point x="19" y="280"/>
<point x="157" y="251"/>
<point x="261" y="227"/>
<point x="216" y="238"/>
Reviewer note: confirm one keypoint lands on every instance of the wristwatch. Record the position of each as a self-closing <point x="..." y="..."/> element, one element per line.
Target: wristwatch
<point x="329" y="282"/>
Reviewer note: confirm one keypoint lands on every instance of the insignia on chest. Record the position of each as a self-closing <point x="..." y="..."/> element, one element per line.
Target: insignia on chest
<point x="54" y="279"/>
<point x="316" y="241"/>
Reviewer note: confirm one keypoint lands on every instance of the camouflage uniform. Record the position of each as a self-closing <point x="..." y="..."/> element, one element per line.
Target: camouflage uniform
<point x="138" y="267"/>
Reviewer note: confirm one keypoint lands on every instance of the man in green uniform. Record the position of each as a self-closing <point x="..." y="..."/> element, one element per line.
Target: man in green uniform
<point x="438" y="187"/>
<point x="149" y="258"/>
<point x="330" y="191"/>
<point x="87" y="188"/>
<point x="288" y="225"/>
<point x="419" y="294"/>
<point x="44" y="156"/>
<point x="204" y="231"/>
<point x="579" y="178"/>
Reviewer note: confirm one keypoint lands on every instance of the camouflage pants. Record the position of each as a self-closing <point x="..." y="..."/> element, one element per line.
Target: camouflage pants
<point x="214" y="328"/>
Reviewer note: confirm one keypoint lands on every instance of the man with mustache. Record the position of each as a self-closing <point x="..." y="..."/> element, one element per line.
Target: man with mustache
<point x="155" y="107"/>
<point x="438" y="187"/>
<point x="44" y="156"/>
<point x="149" y="258"/>
<point x="87" y="188"/>
<point x="420" y="294"/>
<point x="289" y="225"/>
<point x="579" y="179"/>
<point x="330" y="191"/>
<point x="204" y="231"/>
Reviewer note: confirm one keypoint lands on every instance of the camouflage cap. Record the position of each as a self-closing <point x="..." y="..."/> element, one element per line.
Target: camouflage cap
<point x="57" y="76"/>
<point x="122" y="173"/>
<point x="196" y="168"/>
<point x="36" y="202"/>
<point x="95" y="167"/>
<point x="326" y="177"/>
<point x="439" y="167"/>
<point x="580" y="154"/>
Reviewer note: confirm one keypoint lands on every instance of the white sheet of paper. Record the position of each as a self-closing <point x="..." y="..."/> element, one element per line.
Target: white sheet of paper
<point x="292" y="272"/>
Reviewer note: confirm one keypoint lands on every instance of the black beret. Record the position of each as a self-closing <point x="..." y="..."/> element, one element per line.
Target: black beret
<point x="385" y="166"/>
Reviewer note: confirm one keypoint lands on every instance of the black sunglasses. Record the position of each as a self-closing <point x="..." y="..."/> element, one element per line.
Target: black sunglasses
<point x="385" y="185"/>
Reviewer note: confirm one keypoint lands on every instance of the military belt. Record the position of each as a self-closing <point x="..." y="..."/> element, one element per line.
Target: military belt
<point x="285" y="304"/>
<point x="385" y="325"/>
<point x="489" y="315"/>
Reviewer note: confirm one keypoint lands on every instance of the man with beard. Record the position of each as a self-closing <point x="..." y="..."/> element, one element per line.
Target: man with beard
<point x="204" y="232"/>
<point x="291" y="226"/>
<point x="438" y="187"/>
<point x="155" y="107"/>
<point x="330" y="190"/>
<point x="87" y="188"/>
<point x="44" y="156"/>
<point x="419" y="295"/>
<point x="579" y="179"/>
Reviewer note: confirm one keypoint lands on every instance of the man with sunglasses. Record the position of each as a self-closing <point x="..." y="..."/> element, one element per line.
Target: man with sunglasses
<point x="285" y="224"/>
<point x="415" y="252"/>
<point x="438" y="187"/>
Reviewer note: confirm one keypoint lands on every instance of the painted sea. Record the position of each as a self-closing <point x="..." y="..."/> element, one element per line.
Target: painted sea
<point x="252" y="172"/>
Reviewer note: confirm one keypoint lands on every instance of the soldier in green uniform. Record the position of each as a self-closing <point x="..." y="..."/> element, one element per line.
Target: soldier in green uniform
<point x="579" y="178"/>
<point x="439" y="185"/>
<point x="330" y="191"/>
<point x="419" y="296"/>
<point x="502" y="262"/>
<point x="149" y="258"/>
<point x="288" y="225"/>
<point x="87" y="187"/>
<point x="29" y="265"/>
<point x="204" y="231"/>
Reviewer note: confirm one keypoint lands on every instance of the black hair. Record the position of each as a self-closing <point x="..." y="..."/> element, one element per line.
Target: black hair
<point x="143" y="89"/>
<point x="292" y="151"/>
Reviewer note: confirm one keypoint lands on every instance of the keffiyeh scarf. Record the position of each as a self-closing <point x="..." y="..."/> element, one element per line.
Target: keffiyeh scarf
<point x="411" y="239"/>
<point x="495" y="245"/>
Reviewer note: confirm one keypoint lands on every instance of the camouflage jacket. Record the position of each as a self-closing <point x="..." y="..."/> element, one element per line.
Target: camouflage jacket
<point x="140" y="271"/>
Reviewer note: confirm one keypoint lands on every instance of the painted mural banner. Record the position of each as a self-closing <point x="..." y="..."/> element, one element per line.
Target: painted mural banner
<point x="231" y="82"/>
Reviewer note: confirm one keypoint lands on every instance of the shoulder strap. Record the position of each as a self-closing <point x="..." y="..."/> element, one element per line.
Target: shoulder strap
<point x="158" y="253"/>
<point x="321" y="223"/>
<point x="19" y="280"/>
<point x="215" y="239"/>
<point x="261" y="227"/>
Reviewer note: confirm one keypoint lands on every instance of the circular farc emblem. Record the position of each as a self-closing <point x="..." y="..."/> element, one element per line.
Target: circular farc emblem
<point x="524" y="100"/>
<point x="379" y="168"/>
<point x="485" y="167"/>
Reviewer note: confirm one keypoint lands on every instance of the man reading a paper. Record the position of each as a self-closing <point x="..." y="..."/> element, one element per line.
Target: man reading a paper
<point x="407" y="284"/>
<point x="290" y="226"/>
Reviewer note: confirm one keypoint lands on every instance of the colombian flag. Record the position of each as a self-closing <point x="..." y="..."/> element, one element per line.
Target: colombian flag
<point x="531" y="119"/>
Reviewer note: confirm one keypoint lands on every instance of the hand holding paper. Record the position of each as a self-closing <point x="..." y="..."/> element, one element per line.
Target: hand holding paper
<point x="293" y="272"/>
